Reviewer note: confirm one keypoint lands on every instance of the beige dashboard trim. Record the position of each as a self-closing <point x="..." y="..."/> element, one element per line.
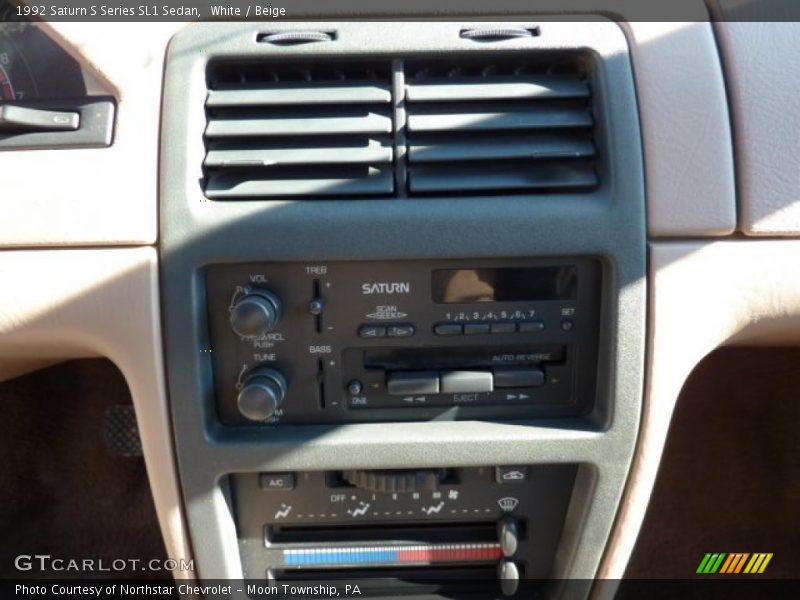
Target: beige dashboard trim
<point x="57" y="304"/>
<point x="102" y="196"/>
<point x="108" y="196"/>
<point x="702" y="295"/>
<point x="761" y="61"/>
<point x="686" y="132"/>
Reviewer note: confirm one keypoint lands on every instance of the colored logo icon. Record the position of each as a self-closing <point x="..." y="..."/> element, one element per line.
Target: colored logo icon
<point x="734" y="563"/>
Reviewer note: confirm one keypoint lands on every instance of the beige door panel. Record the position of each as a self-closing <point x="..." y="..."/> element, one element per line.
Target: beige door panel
<point x="702" y="295"/>
<point x="58" y="304"/>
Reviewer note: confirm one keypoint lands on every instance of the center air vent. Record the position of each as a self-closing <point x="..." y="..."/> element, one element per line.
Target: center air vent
<point x="521" y="125"/>
<point x="299" y="131"/>
<point x="498" y="127"/>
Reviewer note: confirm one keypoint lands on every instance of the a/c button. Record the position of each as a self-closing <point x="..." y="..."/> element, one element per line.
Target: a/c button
<point x="276" y="481"/>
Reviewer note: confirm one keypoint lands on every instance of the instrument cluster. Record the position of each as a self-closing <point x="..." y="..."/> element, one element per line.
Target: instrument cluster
<point x="32" y="65"/>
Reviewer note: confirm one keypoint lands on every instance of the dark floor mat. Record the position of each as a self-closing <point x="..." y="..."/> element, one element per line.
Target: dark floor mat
<point x="64" y="489"/>
<point x="729" y="480"/>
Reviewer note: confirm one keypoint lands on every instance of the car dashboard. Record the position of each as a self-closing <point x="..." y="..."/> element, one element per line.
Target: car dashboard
<point x="403" y="302"/>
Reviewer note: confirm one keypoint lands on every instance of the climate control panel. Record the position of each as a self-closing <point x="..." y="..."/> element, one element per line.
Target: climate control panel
<point x="488" y="530"/>
<point x="403" y="340"/>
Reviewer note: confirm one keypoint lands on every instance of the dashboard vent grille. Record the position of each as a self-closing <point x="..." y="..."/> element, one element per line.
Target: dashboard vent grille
<point x="299" y="131"/>
<point x="499" y="127"/>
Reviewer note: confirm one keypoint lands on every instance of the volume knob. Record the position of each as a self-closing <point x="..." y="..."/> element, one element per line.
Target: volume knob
<point x="256" y="314"/>
<point x="262" y="394"/>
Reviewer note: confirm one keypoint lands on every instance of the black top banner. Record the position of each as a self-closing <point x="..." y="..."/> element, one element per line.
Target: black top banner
<point x="465" y="10"/>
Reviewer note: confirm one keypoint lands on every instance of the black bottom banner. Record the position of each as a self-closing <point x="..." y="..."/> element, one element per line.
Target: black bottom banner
<point x="418" y="589"/>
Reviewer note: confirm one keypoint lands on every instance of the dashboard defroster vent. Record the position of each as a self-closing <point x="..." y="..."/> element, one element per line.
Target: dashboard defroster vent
<point x="299" y="131"/>
<point x="499" y="127"/>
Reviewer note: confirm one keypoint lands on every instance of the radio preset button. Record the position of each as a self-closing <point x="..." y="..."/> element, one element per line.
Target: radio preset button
<point x="400" y="330"/>
<point x="448" y="329"/>
<point x="413" y="382"/>
<point x="530" y="326"/>
<point x="372" y="331"/>
<point x="503" y="327"/>
<point x="466" y="382"/>
<point x="477" y="328"/>
<point x="518" y="378"/>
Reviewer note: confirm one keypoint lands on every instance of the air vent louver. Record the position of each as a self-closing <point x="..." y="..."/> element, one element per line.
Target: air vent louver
<point x="500" y="127"/>
<point x="300" y="131"/>
<point x="312" y="131"/>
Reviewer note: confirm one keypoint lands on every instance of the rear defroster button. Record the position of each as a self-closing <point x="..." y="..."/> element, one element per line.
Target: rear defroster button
<point x="514" y="474"/>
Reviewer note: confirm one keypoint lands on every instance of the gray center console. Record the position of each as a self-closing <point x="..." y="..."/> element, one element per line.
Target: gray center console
<point x="403" y="272"/>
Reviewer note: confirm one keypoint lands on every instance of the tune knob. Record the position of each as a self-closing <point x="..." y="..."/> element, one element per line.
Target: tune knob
<point x="256" y="314"/>
<point x="262" y="394"/>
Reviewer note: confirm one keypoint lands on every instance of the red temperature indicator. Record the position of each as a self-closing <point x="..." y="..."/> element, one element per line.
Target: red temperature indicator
<point x="6" y="89"/>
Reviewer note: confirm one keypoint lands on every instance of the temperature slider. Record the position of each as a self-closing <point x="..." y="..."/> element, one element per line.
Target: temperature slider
<point x="393" y="555"/>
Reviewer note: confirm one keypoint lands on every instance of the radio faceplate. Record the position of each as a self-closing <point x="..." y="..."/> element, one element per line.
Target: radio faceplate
<point x="334" y="342"/>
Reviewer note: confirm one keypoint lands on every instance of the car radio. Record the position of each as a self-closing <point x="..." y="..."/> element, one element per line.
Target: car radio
<point x="334" y="342"/>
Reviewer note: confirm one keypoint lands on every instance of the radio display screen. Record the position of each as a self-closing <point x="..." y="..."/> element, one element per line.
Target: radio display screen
<point x="514" y="284"/>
